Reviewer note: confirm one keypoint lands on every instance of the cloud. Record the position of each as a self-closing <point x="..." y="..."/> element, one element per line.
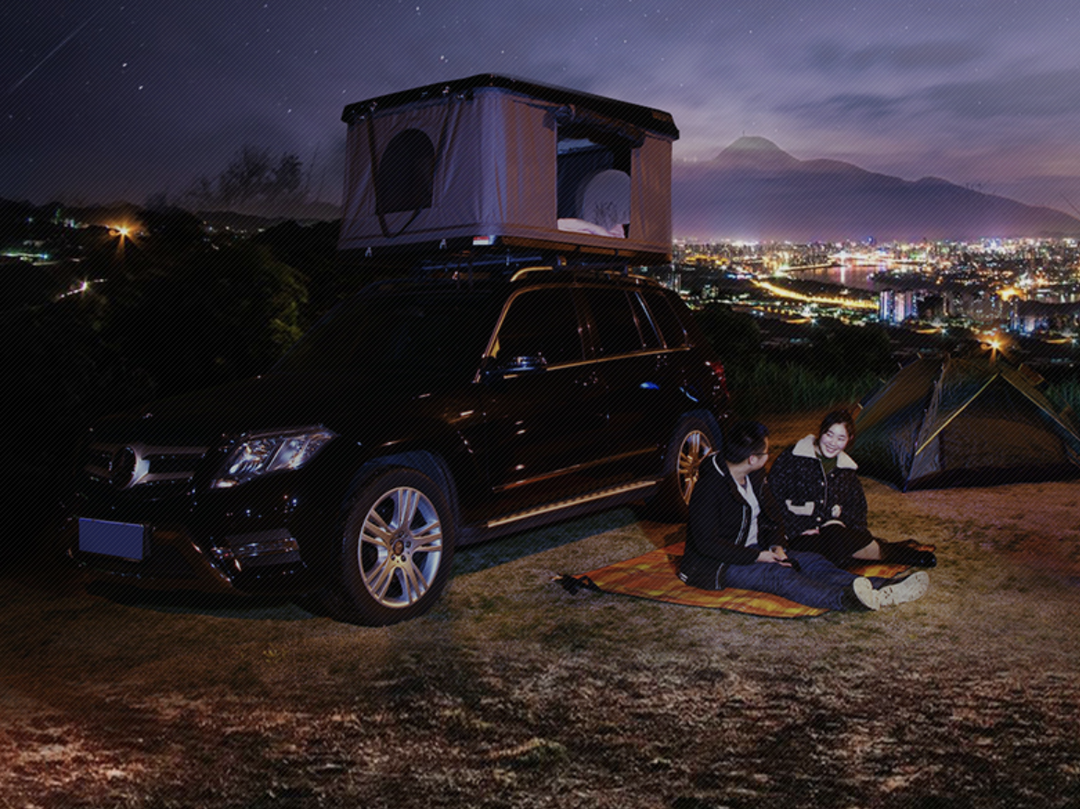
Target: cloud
<point x="918" y="57"/>
<point x="849" y="107"/>
<point x="1052" y="94"/>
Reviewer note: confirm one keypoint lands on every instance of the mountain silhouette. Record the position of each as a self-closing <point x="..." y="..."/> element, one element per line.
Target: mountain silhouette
<point x="754" y="190"/>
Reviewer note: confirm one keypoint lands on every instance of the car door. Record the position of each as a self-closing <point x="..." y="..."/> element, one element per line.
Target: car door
<point x="633" y="364"/>
<point x="545" y="402"/>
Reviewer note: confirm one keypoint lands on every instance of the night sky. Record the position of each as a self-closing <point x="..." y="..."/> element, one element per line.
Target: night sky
<point x="124" y="100"/>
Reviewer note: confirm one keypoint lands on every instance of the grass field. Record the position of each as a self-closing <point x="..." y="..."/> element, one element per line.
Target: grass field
<point x="514" y="693"/>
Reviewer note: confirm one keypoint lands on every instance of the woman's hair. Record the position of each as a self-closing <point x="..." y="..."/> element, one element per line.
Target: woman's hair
<point x="837" y="417"/>
<point x="744" y="438"/>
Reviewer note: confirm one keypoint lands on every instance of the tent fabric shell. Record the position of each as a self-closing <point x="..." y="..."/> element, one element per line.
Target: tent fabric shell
<point x="499" y="172"/>
<point x="964" y="422"/>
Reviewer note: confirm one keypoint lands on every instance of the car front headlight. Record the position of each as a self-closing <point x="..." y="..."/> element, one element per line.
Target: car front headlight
<point x="261" y="453"/>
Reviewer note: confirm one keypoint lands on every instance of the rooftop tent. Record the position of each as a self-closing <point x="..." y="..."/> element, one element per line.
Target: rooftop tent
<point x="496" y="163"/>
<point x="964" y="422"/>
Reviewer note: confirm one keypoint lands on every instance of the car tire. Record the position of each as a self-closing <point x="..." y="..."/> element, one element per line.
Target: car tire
<point x="693" y="439"/>
<point x="397" y="544"/>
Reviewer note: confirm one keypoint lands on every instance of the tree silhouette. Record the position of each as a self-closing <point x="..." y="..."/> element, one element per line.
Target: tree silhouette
<point x="253" y="181"/>
<point x="734" y="335"/>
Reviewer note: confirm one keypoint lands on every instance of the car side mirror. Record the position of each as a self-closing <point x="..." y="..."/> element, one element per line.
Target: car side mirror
<point x="513" y="366"/>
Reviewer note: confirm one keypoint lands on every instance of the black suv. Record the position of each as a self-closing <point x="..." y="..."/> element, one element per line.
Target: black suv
<point x="416" y="416"/>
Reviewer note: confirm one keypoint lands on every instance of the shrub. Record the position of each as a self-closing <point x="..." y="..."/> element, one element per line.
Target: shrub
<point x="773" y="387"/>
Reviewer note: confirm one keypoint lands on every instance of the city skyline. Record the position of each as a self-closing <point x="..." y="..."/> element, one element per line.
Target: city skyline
<point x="109" y="100"/>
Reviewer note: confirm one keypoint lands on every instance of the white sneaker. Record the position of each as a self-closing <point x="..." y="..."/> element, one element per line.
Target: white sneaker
<point x="911" y="588"/>
<point x="865" y="592"/>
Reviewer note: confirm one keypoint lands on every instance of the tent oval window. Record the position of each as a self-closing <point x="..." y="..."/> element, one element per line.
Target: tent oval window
<point x="406" y="175"/>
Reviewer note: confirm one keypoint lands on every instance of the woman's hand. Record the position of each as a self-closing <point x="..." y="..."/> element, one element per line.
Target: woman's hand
<point x="774" y="556"/>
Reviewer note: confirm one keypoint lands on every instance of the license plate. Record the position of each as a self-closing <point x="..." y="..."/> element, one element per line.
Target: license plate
<point x="126" y="540"/>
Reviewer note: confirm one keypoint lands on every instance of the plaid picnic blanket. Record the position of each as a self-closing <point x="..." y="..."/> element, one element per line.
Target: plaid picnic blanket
<point x="654" y="575"/>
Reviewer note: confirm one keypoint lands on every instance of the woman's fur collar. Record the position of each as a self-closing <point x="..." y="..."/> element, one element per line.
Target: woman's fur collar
<point x="805" y="449"/>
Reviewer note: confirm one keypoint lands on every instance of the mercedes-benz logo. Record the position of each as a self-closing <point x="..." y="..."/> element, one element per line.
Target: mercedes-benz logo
<point x="122" y="467"/>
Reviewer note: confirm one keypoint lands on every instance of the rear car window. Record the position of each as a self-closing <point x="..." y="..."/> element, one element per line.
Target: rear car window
<point x="649" y="334"/>
<point x="665" y="317"/>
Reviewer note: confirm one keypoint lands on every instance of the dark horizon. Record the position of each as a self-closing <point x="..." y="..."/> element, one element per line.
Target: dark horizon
<point x="751" y="191"/>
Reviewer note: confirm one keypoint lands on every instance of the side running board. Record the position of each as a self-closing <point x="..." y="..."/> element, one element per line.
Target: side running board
<point x="547" y="508"/>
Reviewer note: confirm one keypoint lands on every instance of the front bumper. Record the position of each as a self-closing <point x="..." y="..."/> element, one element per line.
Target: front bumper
<point x="253" y="563"/>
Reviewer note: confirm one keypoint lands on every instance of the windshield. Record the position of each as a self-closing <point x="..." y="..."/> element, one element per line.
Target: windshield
<point x="416" y="331"/>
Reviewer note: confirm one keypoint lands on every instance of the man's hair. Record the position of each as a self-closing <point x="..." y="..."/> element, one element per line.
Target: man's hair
<point x="837" y="417"/>
<point x="745" y="438"/>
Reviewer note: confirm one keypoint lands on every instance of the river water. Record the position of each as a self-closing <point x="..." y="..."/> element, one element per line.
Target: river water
<point x="851" y="276"/>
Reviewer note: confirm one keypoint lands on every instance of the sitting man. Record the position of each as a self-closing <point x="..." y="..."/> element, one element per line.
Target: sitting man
<point x="733" y="539"/>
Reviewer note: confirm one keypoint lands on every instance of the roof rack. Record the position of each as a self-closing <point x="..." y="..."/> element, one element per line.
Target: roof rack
<point x="506" y="266"/>
<point x="596" y="270"/>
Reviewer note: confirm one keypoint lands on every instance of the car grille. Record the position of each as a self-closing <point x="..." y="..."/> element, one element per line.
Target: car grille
<point x="126" y="466"/>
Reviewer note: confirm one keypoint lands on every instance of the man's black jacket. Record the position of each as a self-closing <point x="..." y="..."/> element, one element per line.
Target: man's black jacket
<point x="719" y="525"/>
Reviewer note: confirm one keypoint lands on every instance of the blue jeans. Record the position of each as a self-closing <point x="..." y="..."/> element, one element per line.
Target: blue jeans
<point x="818" y="582"/>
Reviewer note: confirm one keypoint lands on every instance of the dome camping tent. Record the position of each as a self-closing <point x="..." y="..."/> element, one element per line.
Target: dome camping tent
<point x="944" y="421"/>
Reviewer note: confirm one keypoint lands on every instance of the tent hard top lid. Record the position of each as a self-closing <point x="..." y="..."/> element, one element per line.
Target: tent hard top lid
<point x="646" y="118"/>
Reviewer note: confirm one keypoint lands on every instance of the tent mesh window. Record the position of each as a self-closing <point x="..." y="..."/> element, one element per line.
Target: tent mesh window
<point x="406" y="173"/>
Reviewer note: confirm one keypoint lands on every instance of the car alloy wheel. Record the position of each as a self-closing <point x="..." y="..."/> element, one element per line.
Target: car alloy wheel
<point x="400" y="547"/>
<point x="397" y="545"/>
<point x="696" y="444"/>
<point x="691" y="442"/>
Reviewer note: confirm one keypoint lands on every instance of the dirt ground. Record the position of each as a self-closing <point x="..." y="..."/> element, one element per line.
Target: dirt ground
<point x="515" y="693"/>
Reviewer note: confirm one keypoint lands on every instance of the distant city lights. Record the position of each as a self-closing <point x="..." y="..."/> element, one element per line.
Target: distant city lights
<point x="79" y="288"/>
<point x="821" y="300"/>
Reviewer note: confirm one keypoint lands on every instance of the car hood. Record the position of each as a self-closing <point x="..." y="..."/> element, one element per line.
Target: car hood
<point x="277" y="401"/>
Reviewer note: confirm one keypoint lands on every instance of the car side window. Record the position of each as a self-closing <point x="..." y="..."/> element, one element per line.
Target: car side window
<point x="540" y="323"/>
<point x="664" y="316"/>
<point x="617" y="331"/>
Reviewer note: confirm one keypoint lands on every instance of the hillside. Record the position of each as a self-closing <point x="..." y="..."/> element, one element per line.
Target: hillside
<point x="514" y="692"/>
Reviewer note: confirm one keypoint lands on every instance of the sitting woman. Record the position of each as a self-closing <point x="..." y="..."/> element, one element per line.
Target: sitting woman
<point x="823" y="504"/>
